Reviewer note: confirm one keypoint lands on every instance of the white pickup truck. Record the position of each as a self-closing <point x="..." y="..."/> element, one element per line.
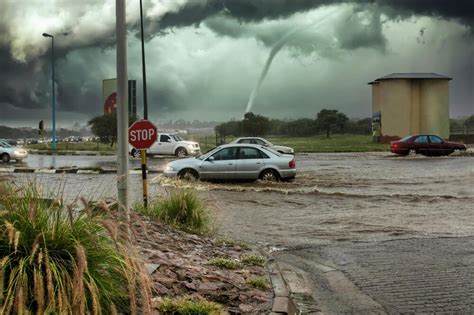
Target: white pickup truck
<point x="170" y="144"/>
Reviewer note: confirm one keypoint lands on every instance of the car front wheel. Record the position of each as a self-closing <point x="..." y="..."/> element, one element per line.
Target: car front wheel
<point x="188" y="174"/>
<point x="5" y="158"/>
<point x="181" y="152"/>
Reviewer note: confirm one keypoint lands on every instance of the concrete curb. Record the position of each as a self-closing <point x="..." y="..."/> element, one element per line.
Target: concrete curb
<point x="293" y="294"/>
<point x="86" y="153"/>
<point x="72" y="170"/>
<point x="282" y="302"/>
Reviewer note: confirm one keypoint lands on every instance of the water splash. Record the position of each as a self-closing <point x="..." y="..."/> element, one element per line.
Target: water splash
<point x="275" y="49"/>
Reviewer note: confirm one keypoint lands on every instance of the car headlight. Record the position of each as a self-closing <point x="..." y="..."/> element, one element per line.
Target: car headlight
<point x="169" y="168"/>
<point x="16" y="152"/>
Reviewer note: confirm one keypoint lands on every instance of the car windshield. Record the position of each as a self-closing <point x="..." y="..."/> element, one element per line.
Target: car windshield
<point x="5" y="145"/>
<point x="207" y="153"/>
<point x="176" y="138"/>
<point x="405" y="139"/>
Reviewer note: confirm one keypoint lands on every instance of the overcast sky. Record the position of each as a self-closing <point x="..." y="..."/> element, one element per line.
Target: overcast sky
<point x="204" y="57"/>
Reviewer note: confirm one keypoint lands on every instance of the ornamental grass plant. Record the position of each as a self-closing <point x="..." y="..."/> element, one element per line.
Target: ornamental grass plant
<point x="182" y="209"/>
<point x="57" y="260"/>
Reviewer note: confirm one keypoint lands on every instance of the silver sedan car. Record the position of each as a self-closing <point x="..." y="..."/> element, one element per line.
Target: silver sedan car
<point x="236" y="161"/>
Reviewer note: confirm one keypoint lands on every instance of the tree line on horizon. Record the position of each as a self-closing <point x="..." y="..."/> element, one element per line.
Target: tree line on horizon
<point x="327" y="121"/>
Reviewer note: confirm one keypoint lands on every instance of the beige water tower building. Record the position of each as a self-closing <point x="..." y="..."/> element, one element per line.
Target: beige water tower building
<point x="410" y="103"/>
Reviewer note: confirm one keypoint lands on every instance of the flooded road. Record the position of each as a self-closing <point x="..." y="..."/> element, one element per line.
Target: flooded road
<point x="340" y="197"/>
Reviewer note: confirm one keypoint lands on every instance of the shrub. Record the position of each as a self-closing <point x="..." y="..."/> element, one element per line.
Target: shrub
<point x="182" y="209"/>
<point x="224" y="263"/>
<point x="57" y="261"/>
<point x="258" y="282"/>
<point x="190" y="306"/>
<point x="253" y="260"/>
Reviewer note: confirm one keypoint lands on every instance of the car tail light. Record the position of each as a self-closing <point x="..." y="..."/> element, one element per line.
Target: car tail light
<point x="292" y="164"/>
<point x="395" y="145"/>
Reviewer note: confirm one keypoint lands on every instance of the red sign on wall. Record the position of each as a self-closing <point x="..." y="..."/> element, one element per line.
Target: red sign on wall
<point x="142" y="134"/>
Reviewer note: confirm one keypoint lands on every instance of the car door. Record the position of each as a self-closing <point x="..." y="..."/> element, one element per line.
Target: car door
<point x="220" y="165"/>
<point x="165" y="144"/>
<point x="422" y="145"/>
<point x="436" y="146"/>
<point x="249" y="163"/>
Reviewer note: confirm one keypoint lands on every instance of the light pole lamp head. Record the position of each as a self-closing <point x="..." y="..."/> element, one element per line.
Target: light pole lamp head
<point x="47" y="35"/>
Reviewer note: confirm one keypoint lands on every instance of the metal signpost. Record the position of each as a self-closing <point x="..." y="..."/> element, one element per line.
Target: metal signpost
<point x="141" y="135"/>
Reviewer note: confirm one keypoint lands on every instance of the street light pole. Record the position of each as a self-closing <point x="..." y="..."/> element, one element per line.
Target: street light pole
<point x="145" y="112"/>
<point x="53" y="145"/>
<point x="122" y="112"/>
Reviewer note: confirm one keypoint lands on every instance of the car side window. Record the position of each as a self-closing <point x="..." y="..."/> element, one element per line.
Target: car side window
<point x="165" y="138"/>
<point x="421" y="139"/>
<point x="244" y="141"/>
<point x="258" y="141"/>
<point x="435" y="139"/>
<point x="225" y="154"/>
<point x="249" y="153"/>
<point x="263" y="155"/>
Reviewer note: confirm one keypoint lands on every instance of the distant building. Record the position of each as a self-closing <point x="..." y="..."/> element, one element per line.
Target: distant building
<point x="410" y="103"/>
<point x="109" y="96"/>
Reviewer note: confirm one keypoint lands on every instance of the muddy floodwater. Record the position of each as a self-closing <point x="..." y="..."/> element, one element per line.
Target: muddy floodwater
<point x="336" y="197"/>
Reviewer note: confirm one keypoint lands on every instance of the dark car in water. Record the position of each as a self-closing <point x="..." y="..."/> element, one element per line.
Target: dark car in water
<point x="429" y="145"/>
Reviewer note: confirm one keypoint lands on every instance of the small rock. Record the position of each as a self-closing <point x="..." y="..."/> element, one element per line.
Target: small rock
<point x="151" y="268"/>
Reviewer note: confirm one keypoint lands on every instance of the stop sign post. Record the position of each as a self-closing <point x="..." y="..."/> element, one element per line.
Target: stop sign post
<point x="141" y="135"/>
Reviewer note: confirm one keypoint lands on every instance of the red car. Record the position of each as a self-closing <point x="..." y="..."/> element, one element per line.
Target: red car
<point x="428" y="145"/>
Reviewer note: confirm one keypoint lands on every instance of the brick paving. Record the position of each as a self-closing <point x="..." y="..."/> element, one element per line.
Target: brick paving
<point x="411" y="276"/>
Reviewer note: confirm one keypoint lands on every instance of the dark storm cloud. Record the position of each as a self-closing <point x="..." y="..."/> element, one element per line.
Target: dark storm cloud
<point x="24" y="58"/>
<point x="257" y="10"/>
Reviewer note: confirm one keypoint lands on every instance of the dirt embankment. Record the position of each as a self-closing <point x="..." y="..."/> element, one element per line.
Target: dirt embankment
<point x="184" y="268"/>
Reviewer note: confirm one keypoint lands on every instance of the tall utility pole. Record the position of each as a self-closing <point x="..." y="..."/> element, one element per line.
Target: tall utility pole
<point x="145" y="111"/>
<point x="122" y="111"/>
<point x="53" y="144"/>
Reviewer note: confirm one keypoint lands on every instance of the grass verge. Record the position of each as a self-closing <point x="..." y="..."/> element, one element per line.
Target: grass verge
<point x="79" y="146"/>
<point x="315" y="144"/>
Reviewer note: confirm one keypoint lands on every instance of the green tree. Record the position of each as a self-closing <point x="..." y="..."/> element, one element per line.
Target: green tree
<point x="105" y="127"/>
<point x="302" y="127"/>
<point x="330" y="120"/>
<point x="255" y="125"/>
<point x="227" y="128"/>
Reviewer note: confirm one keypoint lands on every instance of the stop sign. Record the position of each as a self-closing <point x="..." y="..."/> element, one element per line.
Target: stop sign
<point x="142" y="134"/>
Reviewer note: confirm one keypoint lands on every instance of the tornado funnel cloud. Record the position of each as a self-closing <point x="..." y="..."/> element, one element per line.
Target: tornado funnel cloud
<point x="275" y="49"/>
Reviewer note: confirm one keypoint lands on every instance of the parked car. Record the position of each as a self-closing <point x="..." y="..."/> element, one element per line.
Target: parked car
<point x="170" y="144"/>
<point x="265" y="142"/>
<point x="11" y="142"/>
<point x="236" y="161"/>
<point x="429" y="145"/>
<point x="8" y="152"/>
